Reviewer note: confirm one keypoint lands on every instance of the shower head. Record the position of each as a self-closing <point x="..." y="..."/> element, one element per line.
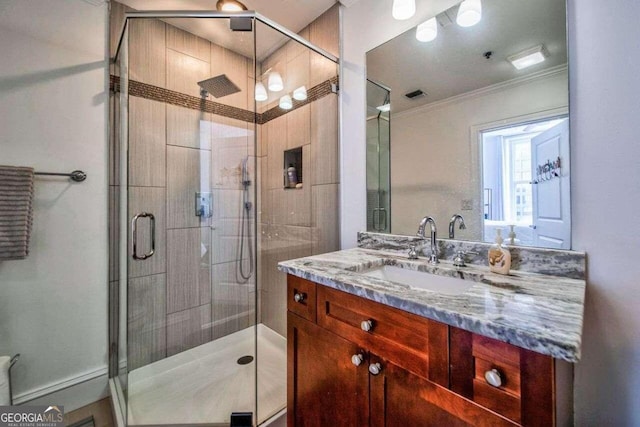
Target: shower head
<point x="219" y="86"/>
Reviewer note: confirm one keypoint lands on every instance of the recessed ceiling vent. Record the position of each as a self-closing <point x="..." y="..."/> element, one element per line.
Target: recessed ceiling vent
<point x="415" y="94"/>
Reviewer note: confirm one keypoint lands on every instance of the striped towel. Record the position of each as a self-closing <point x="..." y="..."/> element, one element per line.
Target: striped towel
<point x="16" y="211"/>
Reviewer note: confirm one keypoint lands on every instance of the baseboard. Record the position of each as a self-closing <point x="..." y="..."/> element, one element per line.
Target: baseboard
<point x="72" y="393"/>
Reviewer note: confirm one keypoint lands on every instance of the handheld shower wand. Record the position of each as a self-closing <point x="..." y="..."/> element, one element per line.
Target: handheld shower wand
<point x="245" y="225"/>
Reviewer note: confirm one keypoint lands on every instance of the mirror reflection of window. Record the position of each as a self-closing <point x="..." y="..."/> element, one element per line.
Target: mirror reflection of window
<point x="508" y="178"/>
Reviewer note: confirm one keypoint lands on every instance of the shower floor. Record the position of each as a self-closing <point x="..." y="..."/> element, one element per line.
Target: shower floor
<point x="205" y="384"/>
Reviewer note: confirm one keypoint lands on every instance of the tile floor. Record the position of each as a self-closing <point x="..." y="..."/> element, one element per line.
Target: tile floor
<point x="100" y="410"/>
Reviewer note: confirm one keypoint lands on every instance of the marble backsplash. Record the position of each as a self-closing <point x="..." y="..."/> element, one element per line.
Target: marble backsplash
<point x="563" y="263"/>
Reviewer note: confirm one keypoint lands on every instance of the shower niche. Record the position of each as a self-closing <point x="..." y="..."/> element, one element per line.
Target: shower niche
<point x="293" y="169"/>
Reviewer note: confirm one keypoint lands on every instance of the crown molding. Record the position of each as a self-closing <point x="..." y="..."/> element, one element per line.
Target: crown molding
<point x="518" y="81"/>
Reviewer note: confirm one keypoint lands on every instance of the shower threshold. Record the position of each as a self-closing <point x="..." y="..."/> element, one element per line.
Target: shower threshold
<point x="205" y="384"/>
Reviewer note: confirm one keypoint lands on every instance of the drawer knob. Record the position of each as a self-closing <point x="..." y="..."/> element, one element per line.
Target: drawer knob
<point x="375" y="368"/>
<point x="357" y="359"/>
<point x="299" y="297"/>
<point x="493" y="377"/>
<point x="366" y="325"/>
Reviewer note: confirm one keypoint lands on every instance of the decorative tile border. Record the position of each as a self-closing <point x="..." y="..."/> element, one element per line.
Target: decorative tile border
<point x="156" y="93"/>
<point x="556" y="262"/>
<point x="318" y="91"/>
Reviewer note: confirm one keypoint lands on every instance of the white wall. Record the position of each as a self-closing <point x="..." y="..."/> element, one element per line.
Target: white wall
<point x="53" y="115"/>
<point x="605" y="90"/>
<point x="605" y="107"/>
<point x="434" y="156"/>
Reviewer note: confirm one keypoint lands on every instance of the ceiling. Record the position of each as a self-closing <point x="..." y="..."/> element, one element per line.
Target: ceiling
<point x="292" y="14"/>
<point x="453" y="63"/>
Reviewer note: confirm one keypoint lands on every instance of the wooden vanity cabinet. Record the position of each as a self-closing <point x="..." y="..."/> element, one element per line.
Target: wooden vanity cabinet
<point x="355" y="362"/>
<point x="324" y="388"/>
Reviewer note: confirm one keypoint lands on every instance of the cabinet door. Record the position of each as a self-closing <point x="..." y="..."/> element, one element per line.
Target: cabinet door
<point x="324" y="387"/>
<point x="400" y="398"/>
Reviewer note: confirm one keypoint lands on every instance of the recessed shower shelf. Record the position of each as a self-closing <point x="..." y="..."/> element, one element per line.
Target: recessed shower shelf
<point x="292" y="171"/>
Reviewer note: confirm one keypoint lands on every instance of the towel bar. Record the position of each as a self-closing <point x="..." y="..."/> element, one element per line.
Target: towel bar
<point x="77" y="175"/>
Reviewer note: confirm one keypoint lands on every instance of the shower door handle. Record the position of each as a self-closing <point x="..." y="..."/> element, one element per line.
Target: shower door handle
<point x="378" y="224"/>
<point x="383" y="218"/>
<point x="134" y="235"/>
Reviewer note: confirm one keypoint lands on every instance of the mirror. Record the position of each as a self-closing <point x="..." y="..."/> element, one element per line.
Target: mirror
<point x="474" y="122"/>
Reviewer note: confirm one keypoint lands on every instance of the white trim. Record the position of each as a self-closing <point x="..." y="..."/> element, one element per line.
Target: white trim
<point x="518" y="81"/>
<point x="72" y="392"/>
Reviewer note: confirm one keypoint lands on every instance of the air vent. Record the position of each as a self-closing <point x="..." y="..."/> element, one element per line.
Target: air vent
<point x="415" y="94"/>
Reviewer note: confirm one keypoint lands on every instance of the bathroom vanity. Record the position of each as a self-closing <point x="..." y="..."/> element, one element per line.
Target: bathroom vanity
<point x="491" y="350"/>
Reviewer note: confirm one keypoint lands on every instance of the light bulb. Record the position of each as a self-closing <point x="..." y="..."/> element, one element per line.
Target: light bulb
<point x="275" y="82"/>
<point x="403" y="9"/>
<point x="428" y="30"/>
<point x="300" y="94"/>
<point x="469" y="13"/>
<point x="261" y="92"/>
<point x="285" y="102"/>
<point x="230" y="6"/>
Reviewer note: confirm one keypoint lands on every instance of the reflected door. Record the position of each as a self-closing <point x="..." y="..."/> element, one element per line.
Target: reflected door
<point x="551" y="202"/>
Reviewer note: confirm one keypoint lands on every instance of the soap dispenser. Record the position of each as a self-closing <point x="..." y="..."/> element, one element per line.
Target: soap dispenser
<point x="499" y="256"/>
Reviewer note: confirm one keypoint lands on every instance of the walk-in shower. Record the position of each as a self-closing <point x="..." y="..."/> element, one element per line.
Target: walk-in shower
<point x="198" y="308"/>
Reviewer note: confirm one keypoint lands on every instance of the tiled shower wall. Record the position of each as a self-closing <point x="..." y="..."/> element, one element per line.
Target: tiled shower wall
<point x="299" y="222"/>
<point x="188" y="292"/>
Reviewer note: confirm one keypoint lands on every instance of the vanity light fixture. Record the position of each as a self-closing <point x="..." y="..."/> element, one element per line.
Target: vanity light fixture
<point x="300" y="94"/>
<point x="230" y="6"/>
<point x="261" y="92"/>
<point x="384" y="108"/>
<point x="403" y="9"/>
<point x="469" y="13"/>
<point x="285" y="102"/>
<point x="428" y="30"/>
<point x="275" y="82"/>
<point x="528" y="57"/>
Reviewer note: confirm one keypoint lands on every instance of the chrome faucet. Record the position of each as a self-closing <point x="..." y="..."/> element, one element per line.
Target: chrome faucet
<point x="452" y="224"/>
<point x="433" y="258"/>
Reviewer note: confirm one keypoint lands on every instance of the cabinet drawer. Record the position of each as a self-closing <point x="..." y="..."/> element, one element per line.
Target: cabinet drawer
<point x="489" y="354"/>
<point x="301" y="297"/>
<point x="526" y="395"/>
<point x="412" y="342"/>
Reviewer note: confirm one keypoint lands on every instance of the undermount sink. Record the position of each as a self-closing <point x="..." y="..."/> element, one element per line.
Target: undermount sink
<point x="420" y="279"/>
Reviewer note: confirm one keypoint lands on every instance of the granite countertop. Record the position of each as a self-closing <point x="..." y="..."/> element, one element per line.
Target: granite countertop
<point x="539" y="312"/>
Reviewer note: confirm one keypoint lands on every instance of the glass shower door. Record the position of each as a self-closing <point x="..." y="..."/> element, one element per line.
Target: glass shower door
<point x="378" y="158"/>
<point x="188" y="223"/>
